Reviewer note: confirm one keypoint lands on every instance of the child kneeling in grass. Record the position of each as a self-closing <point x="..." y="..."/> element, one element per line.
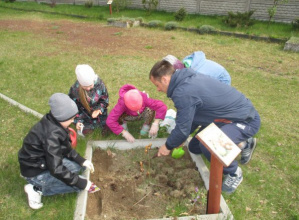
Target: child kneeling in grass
<point x="134" y="105"/>
<point x="47" y="161"/>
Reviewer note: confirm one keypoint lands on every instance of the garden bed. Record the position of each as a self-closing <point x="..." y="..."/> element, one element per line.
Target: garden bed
<point x="135" y="186"/>
<point x="128" y="193"/>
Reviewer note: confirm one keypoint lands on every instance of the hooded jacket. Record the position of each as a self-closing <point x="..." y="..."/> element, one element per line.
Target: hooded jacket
<point x="43" y="149"/>
<point x="112" y="121"/>
<point x="201" y="100"/>
<point x="200" y="64"/>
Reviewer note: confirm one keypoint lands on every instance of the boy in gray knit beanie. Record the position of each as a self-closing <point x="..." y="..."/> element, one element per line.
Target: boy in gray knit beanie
<point x="47" y="161"/>
<point x="62" y="107"/>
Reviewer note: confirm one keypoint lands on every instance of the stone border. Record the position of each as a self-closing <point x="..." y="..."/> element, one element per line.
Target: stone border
<point x="19" y="105"/>
<point x="124" y="24"/>
<point x="292" y="44"/>
<point x="81" y="203"/>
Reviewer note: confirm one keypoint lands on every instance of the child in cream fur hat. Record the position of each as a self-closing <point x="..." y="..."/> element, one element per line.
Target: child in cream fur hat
<point x="91" y="96"/>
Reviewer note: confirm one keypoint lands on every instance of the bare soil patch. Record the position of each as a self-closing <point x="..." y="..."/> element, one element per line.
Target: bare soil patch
<point x="80" y="35"/>
<point x="160" y="187"/>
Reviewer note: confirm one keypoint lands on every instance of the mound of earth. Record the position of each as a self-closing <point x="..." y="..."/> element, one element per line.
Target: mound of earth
<point x="134" y="185"/>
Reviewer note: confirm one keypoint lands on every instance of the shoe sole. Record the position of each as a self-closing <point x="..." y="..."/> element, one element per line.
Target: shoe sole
<point x="253" y="148"/>
<point x="29" y="200"/>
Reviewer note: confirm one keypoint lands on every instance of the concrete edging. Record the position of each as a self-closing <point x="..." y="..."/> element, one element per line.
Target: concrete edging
<point x="22" y="107"/>
<point x="124" y="145"/>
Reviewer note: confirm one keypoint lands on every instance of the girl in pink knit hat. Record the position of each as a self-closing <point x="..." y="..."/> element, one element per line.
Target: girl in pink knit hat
<point x="134" y="105"/>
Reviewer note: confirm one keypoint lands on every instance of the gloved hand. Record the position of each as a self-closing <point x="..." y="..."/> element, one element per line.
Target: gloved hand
<point x="88" y="164"/>
<point x="154" y="130"/>
<point x="128" y="136"/>
<point x="91" y="187"/>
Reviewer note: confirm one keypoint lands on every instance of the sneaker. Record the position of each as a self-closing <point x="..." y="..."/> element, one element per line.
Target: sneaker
<point x="144" y="130"/>
<point x="34" y="197"/>
<point x="232" y="181"/>
<point x="247" y="152"/>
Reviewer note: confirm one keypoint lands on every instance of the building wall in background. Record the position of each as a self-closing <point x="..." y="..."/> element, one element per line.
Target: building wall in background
<point x="285" y="12"/>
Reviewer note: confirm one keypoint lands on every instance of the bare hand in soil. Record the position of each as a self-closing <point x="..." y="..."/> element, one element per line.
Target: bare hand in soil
<point x="163" y="151"/>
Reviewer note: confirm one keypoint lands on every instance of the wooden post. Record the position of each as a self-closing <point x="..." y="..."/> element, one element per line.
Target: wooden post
<point x="223" y="152"/>
<point x="110" y="7"/>
<point x="215" y="186"/>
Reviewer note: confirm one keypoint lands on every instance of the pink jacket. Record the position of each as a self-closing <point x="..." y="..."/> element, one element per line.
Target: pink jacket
<point x="120" y="108"/>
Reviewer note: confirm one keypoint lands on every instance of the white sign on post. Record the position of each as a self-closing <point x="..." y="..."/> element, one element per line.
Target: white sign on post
<point x="109" y="2"/>
<point x="218" y="144"/>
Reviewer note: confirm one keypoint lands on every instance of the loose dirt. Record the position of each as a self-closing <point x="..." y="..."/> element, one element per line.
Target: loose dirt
<point x="136" y="186"/>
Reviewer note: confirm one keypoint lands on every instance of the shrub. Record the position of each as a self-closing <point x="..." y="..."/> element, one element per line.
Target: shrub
<point x="140" y="19"/>
<point x="88" y="4"/>
<point x="101" y="17"/>
<point x="53" y="3"/>
<point x="126" y="19"/>
<point x="11" y="1"/>
<point x="119" y="5"/>
<point x="150" y="5"/>
<point x="155" y="23"/>
<point x="295" y="24"/>
<point x="121" y="19"/>
<point x="180" y="14"/>
<point x="206" y="29"/>
<point x="171" y="25"/>
<point x="273" y="9"/>
<point x="112" y="19"/>
<point x="130" y="21"/>
<point x="239" y="19"/>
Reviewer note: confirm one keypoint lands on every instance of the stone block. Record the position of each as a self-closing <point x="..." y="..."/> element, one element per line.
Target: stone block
<point x="292" y="44"/>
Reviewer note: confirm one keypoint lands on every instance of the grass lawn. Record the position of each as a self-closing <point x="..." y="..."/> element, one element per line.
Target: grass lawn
<point x="38" y="56"/>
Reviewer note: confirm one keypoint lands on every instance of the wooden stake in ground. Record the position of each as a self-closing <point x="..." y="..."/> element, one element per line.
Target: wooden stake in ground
<point x="223" y="152"/>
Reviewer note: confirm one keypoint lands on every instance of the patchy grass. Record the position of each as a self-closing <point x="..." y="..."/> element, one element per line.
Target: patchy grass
<point x="34" y="65"/>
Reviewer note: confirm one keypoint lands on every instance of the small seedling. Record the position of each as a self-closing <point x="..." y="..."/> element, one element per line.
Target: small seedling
<point x="198" y="197"/>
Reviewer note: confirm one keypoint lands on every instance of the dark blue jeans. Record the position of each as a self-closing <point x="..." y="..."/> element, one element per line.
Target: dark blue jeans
<point x="236" y="131"/>
<point x="51" y="185"/>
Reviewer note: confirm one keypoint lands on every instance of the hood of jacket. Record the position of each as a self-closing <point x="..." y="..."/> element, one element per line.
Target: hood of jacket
<point x="124" y="89"/>
<point x="198" y="59"/>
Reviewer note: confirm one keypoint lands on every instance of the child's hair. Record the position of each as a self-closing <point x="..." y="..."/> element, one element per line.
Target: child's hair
<point x="83" y="99"/>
